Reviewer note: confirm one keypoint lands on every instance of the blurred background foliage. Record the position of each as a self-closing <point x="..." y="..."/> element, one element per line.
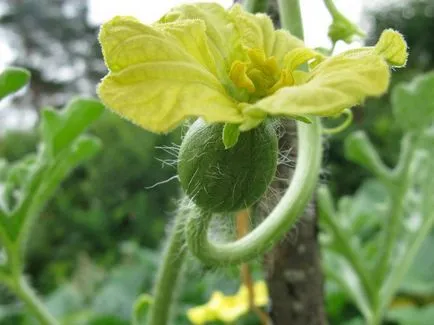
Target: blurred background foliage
<point x="96" y="245"/>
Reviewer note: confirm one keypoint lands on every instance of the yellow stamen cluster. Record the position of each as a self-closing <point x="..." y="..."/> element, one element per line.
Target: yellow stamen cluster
<point x="260" y="76"/>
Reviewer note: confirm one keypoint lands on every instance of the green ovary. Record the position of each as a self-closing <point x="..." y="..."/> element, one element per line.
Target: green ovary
<point x="224" y="180"/>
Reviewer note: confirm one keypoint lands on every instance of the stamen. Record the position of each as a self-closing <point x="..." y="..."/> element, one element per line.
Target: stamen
<point x="238" y="75"/>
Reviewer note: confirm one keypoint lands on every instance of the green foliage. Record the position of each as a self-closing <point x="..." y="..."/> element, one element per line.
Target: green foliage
<point x="60" y="129"/>
<point x="12" y="80"/>
<point x="373" y="237"/>
<point x="414" y="103"/>
<point x="412" y="315"/>
<point x="27" y="184"/>
<point x="102" y="202"/>
<point x="94" y="296"/>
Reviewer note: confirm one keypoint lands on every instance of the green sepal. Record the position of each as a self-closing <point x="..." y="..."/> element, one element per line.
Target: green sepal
<point x="230" y="135"/>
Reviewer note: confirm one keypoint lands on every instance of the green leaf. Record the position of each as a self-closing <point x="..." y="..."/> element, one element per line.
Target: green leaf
<point x="65" y="300"/>
<point x="60" y="129"/>
<point x="355" y="321"/>
<point x="340" y="271"/>
<point x="17" y="175"/>
<point x="368" y="207"/>
<point x="9" y="310"/>
<point x="231" y="132"/>
<point x="413" y="103"/>
<point x="43" y="181"/>
<point x="140" y="309"/>
<point x="3" y="169"/>
<point x="13" y="79"/>
<point x="360" y="150"/>
<point x="412" y="315"/>
<point x="420" y="278"/>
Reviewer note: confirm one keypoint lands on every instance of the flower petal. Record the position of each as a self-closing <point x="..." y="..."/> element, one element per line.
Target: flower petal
<point x="158" y="96"/>
<point x="334" y="85"/>
<point x="392" y="47"/>
<point x="154" y="81"/>
<point x="200" y="315"/>
<point x="298" y="56"/>
<point x="261" y="294"/>
<point x="257" y="31"/>
<point x="191" y="36"/>
<point x="223" y="40"/>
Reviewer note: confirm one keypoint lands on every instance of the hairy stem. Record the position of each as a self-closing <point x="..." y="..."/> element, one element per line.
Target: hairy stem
<point x="290" y="17"/>
<point x="280" y="220"/>
<point x="254" y="6"/>
<point x="169" y="273"/>
<point x="331" y="7"/>
<point x="23" y="290"/>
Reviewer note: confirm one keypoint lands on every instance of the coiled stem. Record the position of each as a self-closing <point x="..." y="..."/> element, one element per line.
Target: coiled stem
<point x="280" y="220"/>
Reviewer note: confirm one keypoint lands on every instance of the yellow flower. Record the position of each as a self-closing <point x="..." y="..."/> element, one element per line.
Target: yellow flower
<point x="232" y="66"/>
<point x="228" y="308"/>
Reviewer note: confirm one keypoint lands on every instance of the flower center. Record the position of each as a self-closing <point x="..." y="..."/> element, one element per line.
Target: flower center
<point x="259" y="76"/>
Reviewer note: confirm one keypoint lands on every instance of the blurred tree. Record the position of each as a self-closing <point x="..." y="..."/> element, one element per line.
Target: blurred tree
<point x="103" y="202"/>
<point x="54" y="40"/>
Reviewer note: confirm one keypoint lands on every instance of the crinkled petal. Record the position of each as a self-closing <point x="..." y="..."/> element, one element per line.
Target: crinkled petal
<point x="159" y="76"/>
<point x="298" y="56"/>
<point x="191" y="36"/>
<point x="392" y="47"/>
<point x="257" y="31"/>
<point x="283" y="43"/>
<point x="222" y="37"/>
<point x="334" y="85"/>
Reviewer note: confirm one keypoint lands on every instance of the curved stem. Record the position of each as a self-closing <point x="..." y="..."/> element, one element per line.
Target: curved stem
<point x="281" y="219"/>
<point x="169" y="272"/>
<point x="34" y="304"/>
<point x="341" y="127"/>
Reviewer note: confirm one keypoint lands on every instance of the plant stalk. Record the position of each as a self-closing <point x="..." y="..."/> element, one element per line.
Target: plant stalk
<point x="255" y="6"/>
<point x="169" y="273"/>
<point x="23" y="290"/>
<point x="290" y="17"/>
